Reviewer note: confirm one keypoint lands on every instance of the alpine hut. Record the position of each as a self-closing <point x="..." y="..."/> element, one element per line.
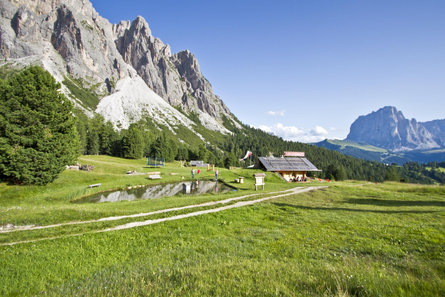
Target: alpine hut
<point x="292" y="166"/>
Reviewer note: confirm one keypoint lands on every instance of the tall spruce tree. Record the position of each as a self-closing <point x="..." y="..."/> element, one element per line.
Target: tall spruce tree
<point x="133" y="143"/>
<point x="37" y="128"/>
<point x="392" y="174"/>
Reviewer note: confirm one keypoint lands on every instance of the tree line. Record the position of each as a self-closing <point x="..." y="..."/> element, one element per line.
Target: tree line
<point x="41" y="132"/>
<point x="98" y="137"/>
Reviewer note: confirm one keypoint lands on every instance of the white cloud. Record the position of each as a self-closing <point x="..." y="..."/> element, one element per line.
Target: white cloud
<point x="293" y="133"/>
<point x="319" y="131"/>
<point x="276" y="113"/>
<point x="264" y="128"/>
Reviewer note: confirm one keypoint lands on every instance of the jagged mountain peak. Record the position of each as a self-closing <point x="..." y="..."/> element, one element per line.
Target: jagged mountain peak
<point x="388" y="128"/>
<point x="390" y="112"/>
<point x="140" y="27"/>
<point x="140" y="22"/>
<point x="388" y="108"/>
<point x="188" y="63"/>
<point x="175" y="77"/>
<point x="71" y="40"/>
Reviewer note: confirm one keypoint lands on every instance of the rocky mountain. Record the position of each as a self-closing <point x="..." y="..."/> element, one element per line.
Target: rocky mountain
<point x="387" y="128"/>
<point x="387" y="136"/>
<point x="132" y="73"/>
<point x="176" y="78"/>
<point x="437" y="129"/>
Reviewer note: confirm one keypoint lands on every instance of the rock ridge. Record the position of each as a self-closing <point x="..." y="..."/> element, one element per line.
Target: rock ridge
<point x="70" y="39"/>
<point x="388" y="128"/>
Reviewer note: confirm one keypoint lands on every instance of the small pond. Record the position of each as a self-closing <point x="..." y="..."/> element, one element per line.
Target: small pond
<point x="159" y="191"/>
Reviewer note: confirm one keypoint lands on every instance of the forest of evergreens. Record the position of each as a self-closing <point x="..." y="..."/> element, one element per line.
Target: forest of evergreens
<point x="40" y="132"/>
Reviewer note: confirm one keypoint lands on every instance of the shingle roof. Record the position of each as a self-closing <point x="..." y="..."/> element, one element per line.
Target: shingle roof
<point x="287" y="164"/>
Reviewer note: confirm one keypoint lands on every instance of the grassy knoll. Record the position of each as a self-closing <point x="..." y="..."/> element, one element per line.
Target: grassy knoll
<point x="351" y="239"/>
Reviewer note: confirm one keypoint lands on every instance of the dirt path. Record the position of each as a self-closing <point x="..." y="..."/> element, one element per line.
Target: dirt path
<point x="114" y="218"/>
<point x="172" y="218"/>
<point x="213" y="210"/>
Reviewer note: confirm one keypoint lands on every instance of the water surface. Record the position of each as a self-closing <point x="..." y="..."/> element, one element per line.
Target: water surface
<point x="160" y="191"/>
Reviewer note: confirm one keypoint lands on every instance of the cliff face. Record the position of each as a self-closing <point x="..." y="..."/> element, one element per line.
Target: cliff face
<point x="70" y="39"/>
<point x="177" y="78"/>
<point x="437" y="129"/>
<point x="66" y="36"/>
<point x="388" y="128"/>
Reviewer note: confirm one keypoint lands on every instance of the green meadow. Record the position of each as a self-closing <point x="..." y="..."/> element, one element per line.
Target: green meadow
<point x="351" y="238"/>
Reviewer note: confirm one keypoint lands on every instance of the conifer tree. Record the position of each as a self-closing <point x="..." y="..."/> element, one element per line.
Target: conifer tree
<point x="37" y="128"/>
<point x="133" y="143"/>
<point x="392" y="174"/>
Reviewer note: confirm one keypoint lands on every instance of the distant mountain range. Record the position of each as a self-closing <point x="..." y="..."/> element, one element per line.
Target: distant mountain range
<point x="387" y="136"/>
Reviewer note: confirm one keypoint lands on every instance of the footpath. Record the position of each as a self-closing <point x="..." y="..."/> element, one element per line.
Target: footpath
<point x="273" y="195"/>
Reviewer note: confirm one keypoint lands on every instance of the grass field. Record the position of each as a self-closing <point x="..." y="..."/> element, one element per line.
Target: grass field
<point x="365" y="147"/>
<point x="350" y="239"/>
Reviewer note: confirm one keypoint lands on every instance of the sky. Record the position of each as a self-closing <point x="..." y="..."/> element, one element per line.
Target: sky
<point x="306" y="69"/>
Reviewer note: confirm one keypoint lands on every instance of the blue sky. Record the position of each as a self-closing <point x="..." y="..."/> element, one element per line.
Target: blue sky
<point x="305" y="70"/>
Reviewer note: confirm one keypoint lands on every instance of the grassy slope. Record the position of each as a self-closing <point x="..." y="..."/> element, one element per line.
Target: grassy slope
<point x="356" y="150"/>
<point x="86" y="95"/>
<point x="365" y="147"/>
<point x="350" y="239"/>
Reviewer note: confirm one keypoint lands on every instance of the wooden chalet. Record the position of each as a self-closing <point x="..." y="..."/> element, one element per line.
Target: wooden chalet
<point x="293" y="166"/>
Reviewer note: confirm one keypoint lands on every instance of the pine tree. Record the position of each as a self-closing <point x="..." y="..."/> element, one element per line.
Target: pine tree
<point x="81" y="127"/>
<point x="133" y="143"/>
<point x="392" y="174"/>
<point x="231" y="160"/>
<point x="203" y="153"/>
<point x="107" y="136"/>
<point x="340" y="173"/>
<point x="330" y="171"/>
<point x="37" y="128"/>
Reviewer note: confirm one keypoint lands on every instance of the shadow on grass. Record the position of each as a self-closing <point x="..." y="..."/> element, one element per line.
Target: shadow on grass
<point x="381" y="202"/>
<point x="352" y="209"/>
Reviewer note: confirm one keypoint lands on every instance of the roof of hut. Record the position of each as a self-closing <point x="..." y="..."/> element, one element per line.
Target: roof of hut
<point x="287" y="164"/>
